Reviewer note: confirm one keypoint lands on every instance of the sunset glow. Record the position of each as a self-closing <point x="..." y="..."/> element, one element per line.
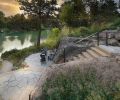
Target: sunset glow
<point x="9" y="7"/>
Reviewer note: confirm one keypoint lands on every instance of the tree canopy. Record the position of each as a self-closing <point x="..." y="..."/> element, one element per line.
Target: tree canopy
<point x="2" y="19"/>
<point x="45" y="13"/>
<point x="43" y="9"/>
<point x="86" y="10"/>
<point x="73" y="11"/>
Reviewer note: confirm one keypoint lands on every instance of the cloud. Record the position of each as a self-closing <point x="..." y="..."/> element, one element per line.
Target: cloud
<point x="9" y="7"/>
<point x="9" y="1"/>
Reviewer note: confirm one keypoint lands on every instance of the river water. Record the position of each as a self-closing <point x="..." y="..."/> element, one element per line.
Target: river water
<point x="18" y="40"/>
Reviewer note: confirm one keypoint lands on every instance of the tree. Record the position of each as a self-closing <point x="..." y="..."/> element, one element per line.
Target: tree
<point x="102" y="8"/>
<point x="43" y="9"/>
<point x="94" y="9"/>
<point x="109" y="7"/>
<point x="2" y="17"/>
<point x="16" y="22"/>
<point x="73" y="11"/>
<point x="66" y="14"/>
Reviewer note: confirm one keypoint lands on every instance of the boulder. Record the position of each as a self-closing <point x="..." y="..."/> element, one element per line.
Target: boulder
<point x="117" y="36"/>
<point x="113" y="42"/>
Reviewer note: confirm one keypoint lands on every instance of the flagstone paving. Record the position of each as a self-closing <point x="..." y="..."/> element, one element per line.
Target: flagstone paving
<point x="17" y="85"/>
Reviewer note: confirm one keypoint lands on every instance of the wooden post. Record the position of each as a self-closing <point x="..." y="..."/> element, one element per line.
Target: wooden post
<point x="106" y="40"/>
<point x="98" y="39"/>
<point x="29" y="96"/>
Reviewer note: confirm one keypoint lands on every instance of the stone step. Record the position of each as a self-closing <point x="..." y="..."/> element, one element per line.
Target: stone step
<point x="99" y="51"/>
<point x="111" y="50"/>
<point x="87" y="55"/>
<point x="103" y="50"/>
<point x="93" y="53"/>
<point x="81" y="56"/>
<point x="70" y="60"/>
<point x="75" y="58"/>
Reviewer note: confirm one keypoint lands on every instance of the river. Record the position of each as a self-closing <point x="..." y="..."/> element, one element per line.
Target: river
<point x="18" y="40"/>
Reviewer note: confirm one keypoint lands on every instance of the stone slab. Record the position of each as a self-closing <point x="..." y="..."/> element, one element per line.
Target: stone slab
<point x="111" y="49"/>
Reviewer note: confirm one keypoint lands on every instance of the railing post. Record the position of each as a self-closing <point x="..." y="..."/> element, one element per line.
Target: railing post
<point x="29" y="96"/>
<point x="106" y="40"/>
<point x="98" y="39"/>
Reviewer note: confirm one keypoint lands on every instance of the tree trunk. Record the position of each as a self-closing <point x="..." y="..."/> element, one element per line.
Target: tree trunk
<point x="39" y="37"/>
<point x="40" y="30"/>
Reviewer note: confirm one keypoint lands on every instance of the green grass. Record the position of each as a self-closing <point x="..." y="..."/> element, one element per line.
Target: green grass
<point x="77" y="85"/>
<point x="0" y="64"/>
<point x="115" y="23"/>
<point x="82" y="31"/>
<point x="18" y="56"/>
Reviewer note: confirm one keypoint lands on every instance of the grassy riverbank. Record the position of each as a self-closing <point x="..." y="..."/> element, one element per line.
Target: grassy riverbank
<point x="17" y="56"/>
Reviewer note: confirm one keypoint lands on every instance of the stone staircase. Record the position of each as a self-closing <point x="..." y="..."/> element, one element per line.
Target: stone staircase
<point x="92" y="53"/>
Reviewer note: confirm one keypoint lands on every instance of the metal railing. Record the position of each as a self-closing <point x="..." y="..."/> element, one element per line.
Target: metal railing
<point x="97" y="35"/>
<point x="94" y="35"/>
<point x="86" y="38"/>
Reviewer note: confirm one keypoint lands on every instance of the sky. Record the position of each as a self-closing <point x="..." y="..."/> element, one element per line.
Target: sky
<point x="11" y="7"/>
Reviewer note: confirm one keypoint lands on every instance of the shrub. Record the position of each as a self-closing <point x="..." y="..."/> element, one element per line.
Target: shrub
<point x="17" y="56"/>
<point x="53" y="39"/>
<point x="82" y="31"/>
<point x="116" y="23"/>
<point x="8" y="53"/>
<point x="95" y="27"/>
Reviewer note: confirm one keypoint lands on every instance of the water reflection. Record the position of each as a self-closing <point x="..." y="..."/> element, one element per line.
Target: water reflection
<point x="17" y="40"/>
<point x="16" y="44"/>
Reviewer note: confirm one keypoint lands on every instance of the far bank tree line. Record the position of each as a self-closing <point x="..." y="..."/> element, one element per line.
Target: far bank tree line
<point x="73" y="13"/>
<point x="21" y="22"/>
